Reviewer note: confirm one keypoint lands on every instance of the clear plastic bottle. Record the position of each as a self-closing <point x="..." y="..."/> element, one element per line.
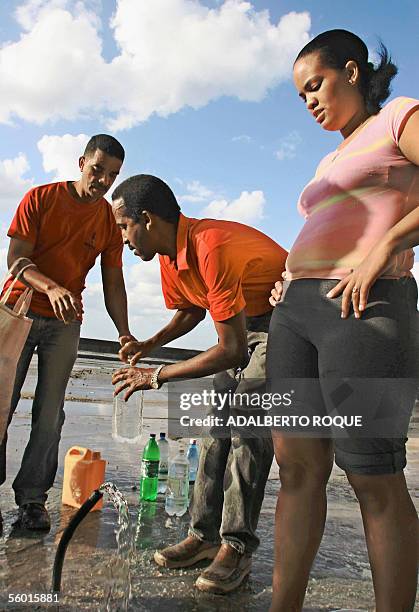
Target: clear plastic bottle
<point x="164" y="462"/>
<point x="177" y="492"/>
<point x="127" y="421"/>
<point x="193" y="458"/>
<point x="149" y="470"/>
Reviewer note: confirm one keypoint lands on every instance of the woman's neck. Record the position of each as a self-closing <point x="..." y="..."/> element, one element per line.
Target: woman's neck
<point x="355" y="123"/>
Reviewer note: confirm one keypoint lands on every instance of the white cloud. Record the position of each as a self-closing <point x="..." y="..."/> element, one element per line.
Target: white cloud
<point x="170" y="55"/>
<point x="60" y="154"/>
<point x="145" y="298"/>
<point x="14" y="183"/>
<point x="247" y="208"/>
<point x="196" y="192"/>
<point x="147" y="310"/>
<point x="242" y="138"/>
<point x="288" y="146"/>
<point x="29" y="12"/>
<point x="53" y="70"/>
<point x="144" y="288"/>
<point x="183" y="53"/>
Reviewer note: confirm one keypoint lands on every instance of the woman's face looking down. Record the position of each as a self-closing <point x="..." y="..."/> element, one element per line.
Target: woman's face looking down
<point x="332" y="96"/>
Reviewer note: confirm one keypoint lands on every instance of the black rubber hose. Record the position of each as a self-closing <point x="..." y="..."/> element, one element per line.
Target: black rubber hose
<point x="67" y="535"/>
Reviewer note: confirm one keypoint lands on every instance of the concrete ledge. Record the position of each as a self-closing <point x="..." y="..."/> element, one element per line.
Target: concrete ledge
<point x="92" y="348"/>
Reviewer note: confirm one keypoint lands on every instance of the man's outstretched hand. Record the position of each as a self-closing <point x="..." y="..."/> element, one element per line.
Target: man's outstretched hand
<point x="132" y="379"/>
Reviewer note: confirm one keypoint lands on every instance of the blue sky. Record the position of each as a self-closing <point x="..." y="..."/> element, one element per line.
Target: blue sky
<point x="199" y="93"/>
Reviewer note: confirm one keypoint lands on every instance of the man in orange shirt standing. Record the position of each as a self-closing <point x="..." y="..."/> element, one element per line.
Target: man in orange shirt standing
<point x="60" y="229"/>
<point x="226" y="268"/>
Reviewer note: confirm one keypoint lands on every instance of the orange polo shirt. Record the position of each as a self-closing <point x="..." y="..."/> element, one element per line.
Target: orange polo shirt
<point x="67" y="237"/>
<point x="223" y="267"/>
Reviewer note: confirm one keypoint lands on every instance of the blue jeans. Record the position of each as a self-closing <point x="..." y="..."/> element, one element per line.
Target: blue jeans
<point x="57" y="346"/>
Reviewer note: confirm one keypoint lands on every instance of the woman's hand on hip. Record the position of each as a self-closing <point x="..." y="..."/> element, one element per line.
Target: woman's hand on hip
<point x="276" y="294"/>
<point x="356" y="286"/>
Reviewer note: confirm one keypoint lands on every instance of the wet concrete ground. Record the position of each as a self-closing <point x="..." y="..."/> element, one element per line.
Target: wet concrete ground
<point x="340" y="577"/>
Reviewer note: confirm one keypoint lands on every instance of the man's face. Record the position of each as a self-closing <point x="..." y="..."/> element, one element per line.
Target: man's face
<point x="98" y="173"/>
<point x="137" y="236"/>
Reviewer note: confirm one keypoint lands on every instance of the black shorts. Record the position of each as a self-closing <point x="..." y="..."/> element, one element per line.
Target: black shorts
<point x="377" y="355"/>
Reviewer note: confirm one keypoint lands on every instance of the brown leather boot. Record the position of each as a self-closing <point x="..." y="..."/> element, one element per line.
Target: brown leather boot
<point x="186" y="553"/>
<point x="226" y="572"/>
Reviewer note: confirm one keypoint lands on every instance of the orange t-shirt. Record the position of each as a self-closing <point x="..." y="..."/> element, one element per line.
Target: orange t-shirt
<point x="67" y="236"/>
<point x="221" y="266"/>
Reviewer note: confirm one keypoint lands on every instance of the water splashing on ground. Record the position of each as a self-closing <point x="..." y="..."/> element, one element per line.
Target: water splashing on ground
<point x="120" y="583"/>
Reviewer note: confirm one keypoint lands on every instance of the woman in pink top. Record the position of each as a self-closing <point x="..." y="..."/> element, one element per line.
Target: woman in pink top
<point x="345" y="323"/>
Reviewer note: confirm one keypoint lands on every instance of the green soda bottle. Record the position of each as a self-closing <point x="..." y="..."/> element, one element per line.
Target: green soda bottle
<point x="149" y="470"/>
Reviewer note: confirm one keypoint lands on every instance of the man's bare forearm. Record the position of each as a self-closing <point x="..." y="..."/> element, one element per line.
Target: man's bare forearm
<point x="230" y="352"/>
<point x="65" y="304"/>
<point x="182" y="323"/>
<point x="215" y="359"/>
<point x="117" y="306"/>
<point x="31" y="276"/>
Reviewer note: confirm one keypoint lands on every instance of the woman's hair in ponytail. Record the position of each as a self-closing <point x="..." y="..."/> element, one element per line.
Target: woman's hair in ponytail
<point x="337" y="47"/>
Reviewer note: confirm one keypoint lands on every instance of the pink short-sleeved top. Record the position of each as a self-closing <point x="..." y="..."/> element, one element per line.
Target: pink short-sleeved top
<point x="358" y="193"/>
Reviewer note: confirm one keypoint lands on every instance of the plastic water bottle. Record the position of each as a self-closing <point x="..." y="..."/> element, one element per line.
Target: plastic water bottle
<point x="193" y="458"/>
<point x="127" y="421"/>
<point x="149" y="470"/>
<point x="177" y="492"/>
<point x="164" y="462"/>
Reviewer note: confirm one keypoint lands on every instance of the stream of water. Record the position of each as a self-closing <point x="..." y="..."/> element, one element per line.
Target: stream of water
<point x="120" y="584"/>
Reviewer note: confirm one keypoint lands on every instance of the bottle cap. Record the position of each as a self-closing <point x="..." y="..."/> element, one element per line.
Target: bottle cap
<point x="152" y="435"/>
<point x="162" y="434"/>
<point x="192" y="441"/>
